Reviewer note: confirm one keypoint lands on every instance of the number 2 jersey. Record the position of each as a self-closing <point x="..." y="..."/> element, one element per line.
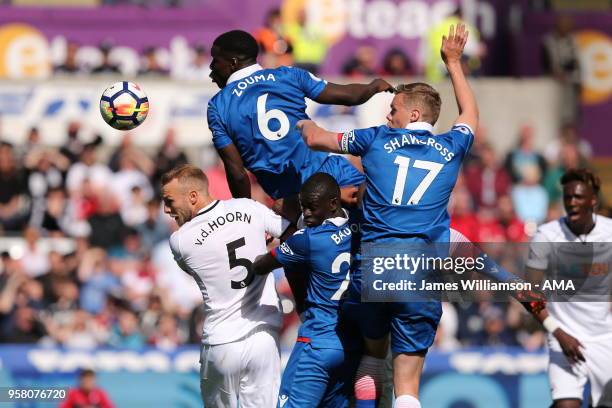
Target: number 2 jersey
<point x="323" y="253"/>
<point x="257" y="111"/>
<point x="217" y="248"/>
<point x="410" y="174"/>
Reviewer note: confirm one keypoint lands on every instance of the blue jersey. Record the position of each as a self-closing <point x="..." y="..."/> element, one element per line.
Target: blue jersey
<point x="410" y="174"/>
<point x="324" y="253"/>
<point x="257" y="111"/>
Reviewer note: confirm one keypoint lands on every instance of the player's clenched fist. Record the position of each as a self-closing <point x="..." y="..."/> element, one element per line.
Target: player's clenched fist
<point x="380" y="85"/>
<point x="452" y="46"/>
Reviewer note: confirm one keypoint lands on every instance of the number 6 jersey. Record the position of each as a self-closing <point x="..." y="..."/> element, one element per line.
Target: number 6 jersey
<point x="257" y="111"/>
<point x="217" y="248"/>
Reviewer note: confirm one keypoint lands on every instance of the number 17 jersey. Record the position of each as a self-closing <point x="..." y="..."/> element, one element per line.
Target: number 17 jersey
<point x="410" y="174"/>
<point x="257" y="111"/>
<point x="217" y="248"/>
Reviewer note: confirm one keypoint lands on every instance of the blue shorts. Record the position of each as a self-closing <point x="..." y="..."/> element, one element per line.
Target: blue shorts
<point x="412" y="325"/>
<point x="340" y="168"/>
<point x="318" y="377"/>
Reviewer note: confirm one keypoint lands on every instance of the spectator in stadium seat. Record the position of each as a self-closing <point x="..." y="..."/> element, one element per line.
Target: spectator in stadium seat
<point x="463" y="218"/>
<point x="35" y="260"/>
<point x="487" y="180"/>
<point x="396" y="63"/>
<point x="309" y="43"/>
<point x="514" y="229"/>
<point x="150" y="64"/>
<point x="126" y="333"/>
<point x="87" y="394"/>
<point x="155" y="228"/>
<point x="107" y="227"/>
<point x="362" y="64"/>
<point x="168" y="156"/>
<point x="524" y="155"/>
<point x="97" y="280"/>
<point x="88" y="169"/>
<point x="167" y="336"/>
<point x="26" y="326"/>
<point x="568" y="159"/>
<point x="568" y="134"/>
<point x="73" y="146"/>
<point x="529" y="197"/>
<point x="70" y="65"/>
<point x="14" y="197"/>
<point x="198" y="68"/>
<point x="106" y="66"/>
<point x="276" y="48"/>
<point x="562" y="62"/>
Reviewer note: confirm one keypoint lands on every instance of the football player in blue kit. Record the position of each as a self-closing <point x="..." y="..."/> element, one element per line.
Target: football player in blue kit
<point x="410" y="174"/>
<point x="253" y="118"/>
<point x="322" y="366"/>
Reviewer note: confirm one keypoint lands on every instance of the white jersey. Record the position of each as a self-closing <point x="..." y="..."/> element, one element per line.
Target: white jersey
<point x="585" y="320"/>
<point x="217" y="248"/>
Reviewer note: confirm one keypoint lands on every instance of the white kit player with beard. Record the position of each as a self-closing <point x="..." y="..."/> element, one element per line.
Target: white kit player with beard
<point x="216" y="244"/>
<point x="580" y="329"/>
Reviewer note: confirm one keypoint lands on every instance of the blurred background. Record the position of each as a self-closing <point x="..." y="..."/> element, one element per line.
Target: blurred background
<point x="87" y="279"/>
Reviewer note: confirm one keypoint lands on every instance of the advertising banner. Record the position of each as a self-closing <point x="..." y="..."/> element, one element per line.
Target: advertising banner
<point x="32" y="39"/>
<point x="478" y="378"/>
<point x="593" y="32"/>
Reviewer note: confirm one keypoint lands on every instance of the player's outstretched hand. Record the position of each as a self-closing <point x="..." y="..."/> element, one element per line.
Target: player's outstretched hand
<point x="452" y="46"/>
<point x="570" y="345"/>
<point x="380" y="85"/>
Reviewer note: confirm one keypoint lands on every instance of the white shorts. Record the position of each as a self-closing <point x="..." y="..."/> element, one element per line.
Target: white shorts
<point x="246" y="370"/>
<point x="568" y="380"/>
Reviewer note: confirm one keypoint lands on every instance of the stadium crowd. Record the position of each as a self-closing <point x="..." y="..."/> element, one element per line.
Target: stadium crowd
<point x="116" y="283"/>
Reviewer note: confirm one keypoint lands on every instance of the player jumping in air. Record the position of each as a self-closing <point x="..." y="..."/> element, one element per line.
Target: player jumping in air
<point x="410" y="174"/>
<point x="322" y="366"/>
<point x="253" y="118"/>
<point x="216" y="244"/>
<point x="579" y="330"/>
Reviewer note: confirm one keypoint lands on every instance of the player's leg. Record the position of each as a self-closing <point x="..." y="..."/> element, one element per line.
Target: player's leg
<point x="339" y="392"/>
<point x="566" y="381"/>
<point x="374" y="327"/>
<point x="413" y="329"/>
<point x="307" y="376"/>
<point x="219" y="375"/>
<point x="598" y="355"/>
<point x="260" y="374"/>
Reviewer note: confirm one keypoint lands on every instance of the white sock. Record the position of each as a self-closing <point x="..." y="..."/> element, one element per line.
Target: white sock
<point x="406" y="401"/>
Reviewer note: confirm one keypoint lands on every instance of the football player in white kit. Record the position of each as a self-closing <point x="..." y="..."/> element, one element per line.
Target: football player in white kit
<point x="216" y="244"/>
<point x="579" y="332"/>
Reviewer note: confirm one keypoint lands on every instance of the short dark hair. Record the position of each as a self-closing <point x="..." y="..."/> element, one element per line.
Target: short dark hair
<point x="87" y="372"/>
<point x="423" y="95"/>
<point x="321" y="184"/>
<point x="184" y="173"/>
<point x="237" y="43"/>
<point x="582" y="175"/>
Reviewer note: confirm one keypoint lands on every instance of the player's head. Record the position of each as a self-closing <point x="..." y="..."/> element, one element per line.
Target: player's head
<point x="184" y="192"/>
<point x="87" y="379"/>
<point x="230" y="52"/>
<point x="416" y="102"/>
<point x="580" y="190"/>
<point x="320" y="199"/>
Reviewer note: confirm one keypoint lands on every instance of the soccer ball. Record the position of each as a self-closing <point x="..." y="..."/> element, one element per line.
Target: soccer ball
<point x="124" y="105"/>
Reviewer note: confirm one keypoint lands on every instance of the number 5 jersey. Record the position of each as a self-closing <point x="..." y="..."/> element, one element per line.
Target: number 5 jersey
<point x="217" y="248"/>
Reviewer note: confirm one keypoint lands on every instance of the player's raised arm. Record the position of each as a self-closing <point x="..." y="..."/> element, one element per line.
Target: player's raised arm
<point x="352" y="94"/>
<point x="237" y="176"/>
<point x="452" y="49"/>
<point x="318" y="138"/>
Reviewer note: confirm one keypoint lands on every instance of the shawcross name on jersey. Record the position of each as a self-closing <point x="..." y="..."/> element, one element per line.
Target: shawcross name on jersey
<point x="220" y="221"/>
<point x="244" y="84"/>
<point x="398" y="142"/>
